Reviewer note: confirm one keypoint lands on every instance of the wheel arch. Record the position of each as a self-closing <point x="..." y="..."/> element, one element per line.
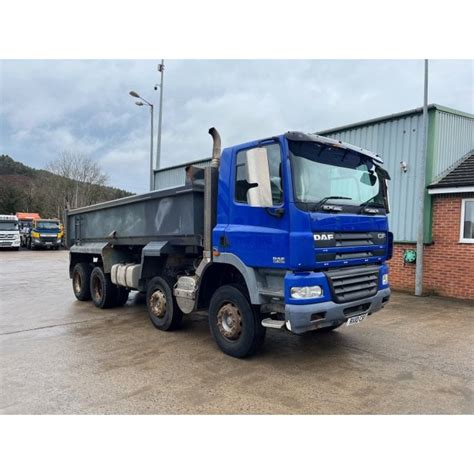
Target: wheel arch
<point x="218" y="274"/>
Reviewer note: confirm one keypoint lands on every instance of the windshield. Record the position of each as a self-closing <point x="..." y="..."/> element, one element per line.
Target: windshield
<point x="8" y="225"/>
<point x="47" y="225"/>
<point x="324" y="173"/>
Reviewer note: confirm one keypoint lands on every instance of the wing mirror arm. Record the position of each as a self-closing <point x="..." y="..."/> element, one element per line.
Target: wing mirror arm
<point x="278" y="212"/>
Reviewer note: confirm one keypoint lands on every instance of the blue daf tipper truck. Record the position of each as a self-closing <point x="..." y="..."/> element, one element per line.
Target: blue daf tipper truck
<point x="288" y="232"/>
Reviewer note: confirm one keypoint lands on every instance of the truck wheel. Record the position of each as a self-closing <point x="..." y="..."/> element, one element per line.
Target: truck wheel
<point x="235" y="325"/>
<point x="81" y="277"/>
<point x="163" y="310"/>
<point x="122" y="296"/>
<point x="103" y="291"/>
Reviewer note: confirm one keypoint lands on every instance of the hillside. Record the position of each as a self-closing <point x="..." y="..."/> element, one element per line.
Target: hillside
<point x="27" y="189"/>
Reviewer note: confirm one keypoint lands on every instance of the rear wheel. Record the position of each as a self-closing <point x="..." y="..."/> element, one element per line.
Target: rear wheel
<point x="103" y="291"/>
<point x="81" y="276"/>
<point x="163" y="310"/>
<point x="235" y="325"/>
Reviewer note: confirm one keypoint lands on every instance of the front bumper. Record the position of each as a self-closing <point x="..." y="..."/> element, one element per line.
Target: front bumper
<point x="45" y="244"/>
<point x="307" y="317"/>
<point x="8" y="244"/>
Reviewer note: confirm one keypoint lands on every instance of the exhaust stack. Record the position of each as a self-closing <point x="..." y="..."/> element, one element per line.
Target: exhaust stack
<point x="216" y="147"/>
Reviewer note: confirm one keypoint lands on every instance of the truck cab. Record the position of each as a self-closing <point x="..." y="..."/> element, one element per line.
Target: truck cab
<point x="306" y="216"/>
<point x="288" y="232"/>
<point x="9" y="233"/>
<point x="44" y="233"/>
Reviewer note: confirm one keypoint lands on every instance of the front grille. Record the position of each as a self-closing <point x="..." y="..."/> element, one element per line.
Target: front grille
<point x="334" y="246"/>
<point x="7" y="236"/>
<point x="353" y="283"/>
<point x="348" y="239"/>
<point x="329" y="257"/>
<point x="5" y="244"/>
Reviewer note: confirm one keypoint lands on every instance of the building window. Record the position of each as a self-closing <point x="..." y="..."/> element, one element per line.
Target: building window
<point x="467" y="221"/>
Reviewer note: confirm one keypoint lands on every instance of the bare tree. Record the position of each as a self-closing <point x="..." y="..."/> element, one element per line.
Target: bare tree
<point x="79" y="179"/>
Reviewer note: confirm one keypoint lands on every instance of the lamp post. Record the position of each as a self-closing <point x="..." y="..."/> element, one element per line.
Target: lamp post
<point x="161" y="70"/>
<point x="141" y="104"/>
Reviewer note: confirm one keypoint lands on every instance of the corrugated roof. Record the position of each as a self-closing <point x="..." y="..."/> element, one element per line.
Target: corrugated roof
<point x="461" y="175"/>
<point x="385" y="118"/>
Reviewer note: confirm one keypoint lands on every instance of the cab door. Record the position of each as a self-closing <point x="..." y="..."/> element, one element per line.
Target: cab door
<point x="258" y="226"/>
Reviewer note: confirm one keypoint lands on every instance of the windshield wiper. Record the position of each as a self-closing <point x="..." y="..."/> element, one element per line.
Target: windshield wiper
<point x="319" y="204"/>
<point x="368" y="203"/>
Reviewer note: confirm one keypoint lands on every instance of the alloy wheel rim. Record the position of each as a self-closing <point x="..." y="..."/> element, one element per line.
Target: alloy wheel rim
<point x="229" y="321"/>
<point x="158" y="304"/>
<point x="97" y="289"/>
<point x="77" y="283"/>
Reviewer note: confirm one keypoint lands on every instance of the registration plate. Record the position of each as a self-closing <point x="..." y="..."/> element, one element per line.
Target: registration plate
<point x="356" y="319"/>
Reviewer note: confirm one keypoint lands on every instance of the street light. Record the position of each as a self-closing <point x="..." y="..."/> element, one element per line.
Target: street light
<point x="140" y="104"/>
<point x="161" y="70"/>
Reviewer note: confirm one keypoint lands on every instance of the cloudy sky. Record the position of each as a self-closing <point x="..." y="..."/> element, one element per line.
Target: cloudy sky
<point x="50" y="106"/>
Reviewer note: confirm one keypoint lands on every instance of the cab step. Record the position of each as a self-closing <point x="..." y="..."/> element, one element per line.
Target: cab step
<point x="273" y="323"/>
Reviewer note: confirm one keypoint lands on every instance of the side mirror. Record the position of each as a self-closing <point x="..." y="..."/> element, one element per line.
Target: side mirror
<point x="258" y="177"/>
<point x="368" y="178"/>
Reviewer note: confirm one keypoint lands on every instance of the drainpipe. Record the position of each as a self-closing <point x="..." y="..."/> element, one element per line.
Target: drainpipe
<point x="420" y="202"/>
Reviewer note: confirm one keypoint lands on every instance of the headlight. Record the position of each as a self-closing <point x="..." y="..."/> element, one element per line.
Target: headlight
<point x="385" y="279"/>
<point x="300" y="292"/>
<point x="58" y="240"/>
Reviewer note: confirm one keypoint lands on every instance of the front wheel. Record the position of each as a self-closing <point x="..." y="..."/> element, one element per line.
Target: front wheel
<point x="235" y="325"/>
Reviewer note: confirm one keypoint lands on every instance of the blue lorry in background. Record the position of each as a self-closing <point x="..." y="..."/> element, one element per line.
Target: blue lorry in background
<point x="44" y="233"/>
<point x="287" y="232"/>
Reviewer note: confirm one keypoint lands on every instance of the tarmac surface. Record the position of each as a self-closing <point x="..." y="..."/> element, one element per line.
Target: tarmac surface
<point x="62" y="356"/>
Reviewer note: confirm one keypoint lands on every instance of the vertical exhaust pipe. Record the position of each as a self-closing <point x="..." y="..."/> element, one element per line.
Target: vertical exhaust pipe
<point x="216" y="147"/>
<point x="210" y="193"/>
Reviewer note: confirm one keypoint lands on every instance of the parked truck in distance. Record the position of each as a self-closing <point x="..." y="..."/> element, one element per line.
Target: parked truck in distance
<point x="44" y="233"/>
<point x="25" y="220"/>
<point x="287" y="232"/>
<point x="9" y="234"/>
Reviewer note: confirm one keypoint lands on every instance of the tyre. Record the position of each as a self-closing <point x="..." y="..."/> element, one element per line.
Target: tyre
<point x="235" y="325"/>
<point x="122" y="296"/>
<point x="81" y="277"/>
<point x="163" y="310"/>
<point x="103" y="291"/>
<point x="28" y="244"/>
<point x="16" y="248"/>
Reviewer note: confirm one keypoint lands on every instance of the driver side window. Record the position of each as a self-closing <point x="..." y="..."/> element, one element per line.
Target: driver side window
<point x="258" y="176"/>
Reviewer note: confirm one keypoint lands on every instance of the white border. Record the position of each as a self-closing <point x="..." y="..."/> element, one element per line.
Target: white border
<point x="461" y="227"/>
<point x="465" y="189"/>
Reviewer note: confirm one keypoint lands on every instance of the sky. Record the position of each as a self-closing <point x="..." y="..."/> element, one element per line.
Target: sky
<point x="50" y="106"/>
